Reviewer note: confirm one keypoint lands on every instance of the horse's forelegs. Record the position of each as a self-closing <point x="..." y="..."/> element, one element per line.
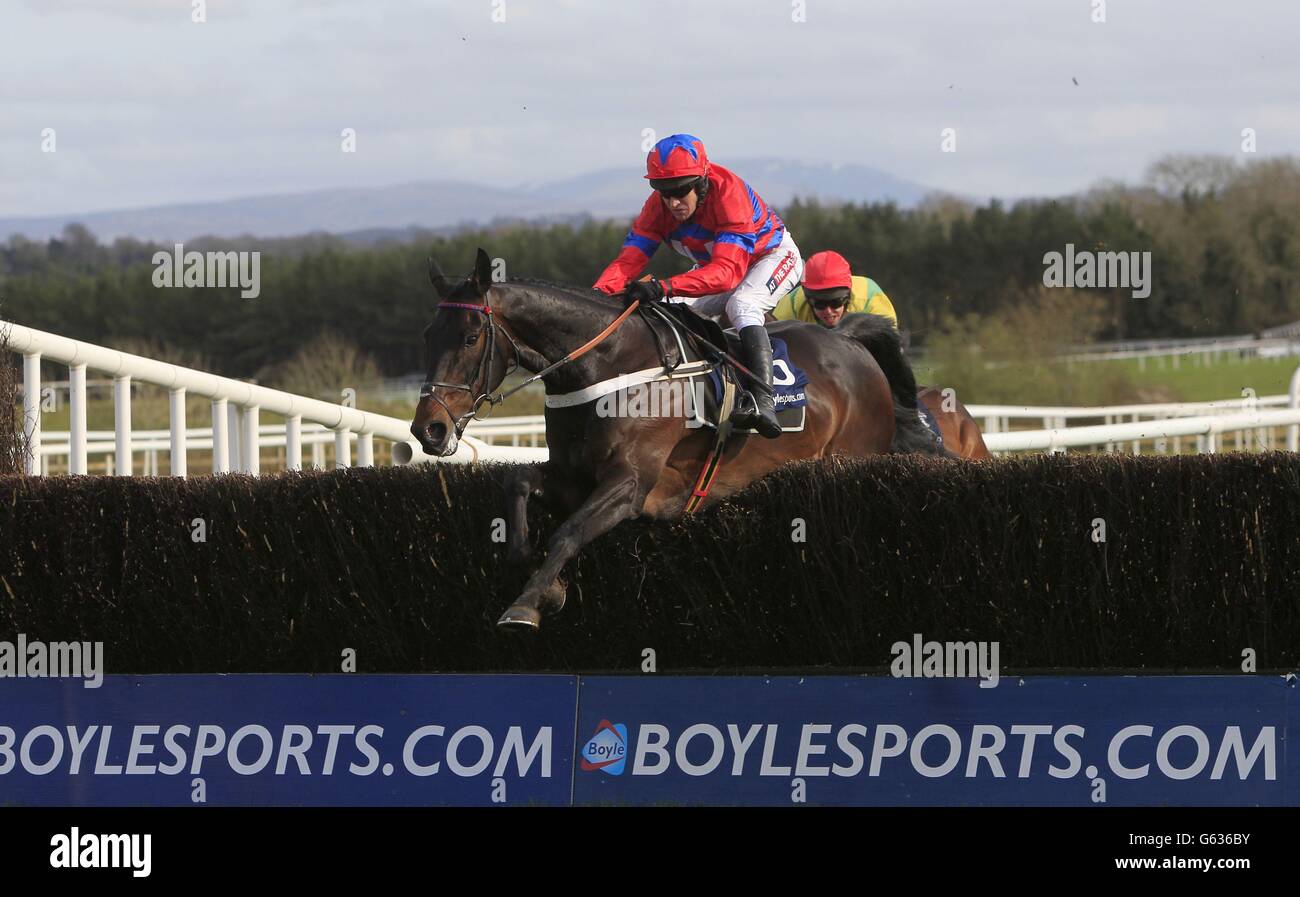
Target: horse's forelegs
<point x="610" y="503"/>
<point x="522" y="483"/>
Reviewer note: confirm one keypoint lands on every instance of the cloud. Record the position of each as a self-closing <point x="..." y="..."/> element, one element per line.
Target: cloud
<point x="159" y="109"/>
<point x="132" y="10"/>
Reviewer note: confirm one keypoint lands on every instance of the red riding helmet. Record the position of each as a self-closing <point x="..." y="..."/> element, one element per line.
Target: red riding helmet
<point x="826" y="271"/>
<point x="678" y="156"/>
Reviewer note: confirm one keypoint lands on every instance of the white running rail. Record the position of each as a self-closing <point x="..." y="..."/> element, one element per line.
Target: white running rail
<point x="55" y="444"/>
<point x="1208" y="348"/>
<point x="1123" y="423"/>
<point x="1208" y="428"/>
<point x="235" y="435"/>
<point x="235" y="439"/>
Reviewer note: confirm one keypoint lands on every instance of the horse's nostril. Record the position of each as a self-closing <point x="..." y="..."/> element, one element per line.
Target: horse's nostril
<point x="431" y="434"/>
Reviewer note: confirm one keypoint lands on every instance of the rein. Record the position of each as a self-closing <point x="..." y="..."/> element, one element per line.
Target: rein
<point x="488" y="357"/>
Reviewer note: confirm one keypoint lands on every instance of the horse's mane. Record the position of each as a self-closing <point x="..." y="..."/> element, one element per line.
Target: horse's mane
<point x="568" y="289"/>
<point x="576" y="291"/>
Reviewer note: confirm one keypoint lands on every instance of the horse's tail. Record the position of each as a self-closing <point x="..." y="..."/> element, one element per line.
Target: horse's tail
<point x="879" y="336"/>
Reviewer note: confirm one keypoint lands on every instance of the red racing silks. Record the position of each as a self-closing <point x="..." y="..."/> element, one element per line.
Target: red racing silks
<point x="732" y="228"/>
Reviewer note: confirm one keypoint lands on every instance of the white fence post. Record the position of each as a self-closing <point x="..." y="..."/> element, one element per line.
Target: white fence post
<point x="235" y="424"/>
<point x="252" y="446"/>
<point x="178" y="460"/>
<point x="342" y="448"/>
<point x="293" y="442"/>
<point x="77" y="419"/>
<point x="365" y="450"/>
<point x="32" y="410"/>
<point x="123" y="464"/>
<point x="220" y="438"/>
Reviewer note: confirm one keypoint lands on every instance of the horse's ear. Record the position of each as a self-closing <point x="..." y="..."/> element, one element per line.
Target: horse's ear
<point x="439" y="280"/>
<point x="482" y="272"/>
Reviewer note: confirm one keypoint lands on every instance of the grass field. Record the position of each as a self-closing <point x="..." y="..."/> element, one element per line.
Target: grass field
<point x="1194" y="382"/>
<point x="1160" y="381"/>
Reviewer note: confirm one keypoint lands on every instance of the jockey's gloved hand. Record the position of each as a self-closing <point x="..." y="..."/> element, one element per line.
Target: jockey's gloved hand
<point x="646" y="290"/>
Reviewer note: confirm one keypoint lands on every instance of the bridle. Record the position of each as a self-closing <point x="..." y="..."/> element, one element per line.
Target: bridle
<point x="485" y="364"/>
<point x="487" y="358"/>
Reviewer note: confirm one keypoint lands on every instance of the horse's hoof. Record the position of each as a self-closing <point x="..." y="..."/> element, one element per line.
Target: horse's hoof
<point x="520" y="619"/>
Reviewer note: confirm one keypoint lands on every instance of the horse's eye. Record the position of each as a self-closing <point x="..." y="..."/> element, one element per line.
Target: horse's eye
<point x="471" y="340"/>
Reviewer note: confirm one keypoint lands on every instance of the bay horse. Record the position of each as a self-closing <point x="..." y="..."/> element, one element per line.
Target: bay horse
<point x="961" y="434"/>
<point x="603" y="470"/>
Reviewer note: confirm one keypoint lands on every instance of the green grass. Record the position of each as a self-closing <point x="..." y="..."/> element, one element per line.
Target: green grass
<point x="1223" y="379"/>
<point x="1191" y="381"/>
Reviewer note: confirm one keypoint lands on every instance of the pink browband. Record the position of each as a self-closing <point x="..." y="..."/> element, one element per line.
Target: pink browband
<point x="485" y="309"/>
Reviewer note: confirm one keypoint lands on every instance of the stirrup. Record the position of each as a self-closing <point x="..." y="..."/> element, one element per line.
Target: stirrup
<point x="745" y="415"/>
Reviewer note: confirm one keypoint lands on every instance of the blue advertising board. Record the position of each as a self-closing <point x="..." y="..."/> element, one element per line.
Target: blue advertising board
<point x="401" y="740"/>
<point x="1038" y="741"/>
<point x="340" y="740"/>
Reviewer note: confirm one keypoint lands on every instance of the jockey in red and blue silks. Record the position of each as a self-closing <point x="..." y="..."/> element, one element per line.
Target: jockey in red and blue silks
<point x="745" y="259"/>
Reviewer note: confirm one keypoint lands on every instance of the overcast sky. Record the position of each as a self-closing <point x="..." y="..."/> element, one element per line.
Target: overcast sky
<point x="151" y="108"/>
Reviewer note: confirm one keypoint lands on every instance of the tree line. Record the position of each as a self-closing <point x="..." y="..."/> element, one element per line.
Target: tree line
<point x="1224" y="239"/>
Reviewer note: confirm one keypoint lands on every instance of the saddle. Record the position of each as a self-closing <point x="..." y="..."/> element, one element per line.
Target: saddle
<point x="710" y="386"/>
<point x="706" y="328"/>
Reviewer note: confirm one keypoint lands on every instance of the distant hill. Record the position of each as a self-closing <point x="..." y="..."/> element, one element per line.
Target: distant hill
<point x="375" y="214"/>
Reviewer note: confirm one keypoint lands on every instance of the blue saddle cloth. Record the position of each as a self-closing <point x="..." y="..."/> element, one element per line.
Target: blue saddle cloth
<point x="928" y="419"/>
<point x="788" y="381"/>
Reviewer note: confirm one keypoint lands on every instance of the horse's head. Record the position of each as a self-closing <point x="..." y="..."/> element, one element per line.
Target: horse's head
<point x="467" y="355"/>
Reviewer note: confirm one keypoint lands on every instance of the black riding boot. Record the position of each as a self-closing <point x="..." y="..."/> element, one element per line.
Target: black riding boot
<point x="756" y="349"/>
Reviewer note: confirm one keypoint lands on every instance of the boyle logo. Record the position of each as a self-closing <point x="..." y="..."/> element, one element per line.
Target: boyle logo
<point x="607" y="750"/>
